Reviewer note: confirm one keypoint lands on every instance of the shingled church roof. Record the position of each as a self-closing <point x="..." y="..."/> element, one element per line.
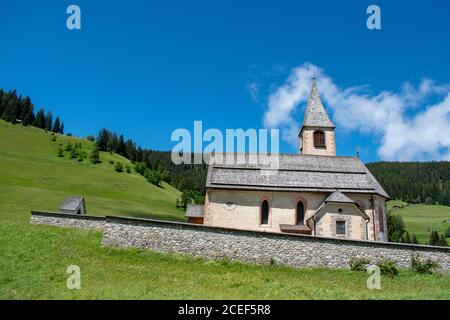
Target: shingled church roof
<point x="295" y="173"/>
<point x="315" y="114"/>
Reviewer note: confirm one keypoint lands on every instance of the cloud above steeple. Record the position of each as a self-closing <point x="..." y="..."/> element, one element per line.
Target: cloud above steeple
<point x="407" y="124"/>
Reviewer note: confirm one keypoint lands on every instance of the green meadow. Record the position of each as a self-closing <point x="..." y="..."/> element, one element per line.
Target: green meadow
<point x="34" y="258"/>
<point x="420" y="219"/>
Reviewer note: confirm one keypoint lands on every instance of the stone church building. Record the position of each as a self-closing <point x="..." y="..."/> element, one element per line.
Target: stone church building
<point x="312" y="193"/>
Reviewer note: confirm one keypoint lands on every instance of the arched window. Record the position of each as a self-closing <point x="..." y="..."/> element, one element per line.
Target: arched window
<point x="265" y="212"/>
<point x="300" y="213"/>
<point x="380" y="217"/>
<point x="319" y="139"/>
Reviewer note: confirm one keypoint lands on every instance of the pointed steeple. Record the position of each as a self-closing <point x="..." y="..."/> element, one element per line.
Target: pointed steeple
<point x="316" y="136"/>
<point x="315" y="114"/>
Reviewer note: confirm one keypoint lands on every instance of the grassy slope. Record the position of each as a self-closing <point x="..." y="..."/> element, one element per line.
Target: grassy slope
<point x="420" y="219"/>
<point x="33" y="177"/>
<point x="33" y="259"/>
<point x="30" y="271"/>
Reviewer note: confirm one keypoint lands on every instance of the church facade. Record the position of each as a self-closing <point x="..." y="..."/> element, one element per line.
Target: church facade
<point x="312" y="193"/>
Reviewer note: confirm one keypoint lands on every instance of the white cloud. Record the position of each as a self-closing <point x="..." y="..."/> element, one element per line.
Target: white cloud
<point x="423" y="135"/>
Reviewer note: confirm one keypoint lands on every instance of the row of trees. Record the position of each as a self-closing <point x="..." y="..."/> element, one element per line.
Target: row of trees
<point x="15" y="108"/>
<point x="415" y="182"/>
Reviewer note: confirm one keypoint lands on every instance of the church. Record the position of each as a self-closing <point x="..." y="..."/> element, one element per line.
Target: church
<point x="312" y="193"/>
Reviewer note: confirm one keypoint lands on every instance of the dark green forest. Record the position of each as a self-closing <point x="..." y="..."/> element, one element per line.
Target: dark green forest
<point x="415" y="182"/>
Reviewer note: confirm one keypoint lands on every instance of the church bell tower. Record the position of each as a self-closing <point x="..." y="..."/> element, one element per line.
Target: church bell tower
<point x="317" y="133"/>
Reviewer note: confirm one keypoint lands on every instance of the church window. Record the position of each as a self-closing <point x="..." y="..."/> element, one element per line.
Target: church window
<point x="319" y="139"/>
<point x="340" y="228"/>
<point x="300" y="212"/>
<point x="265" y="212"/>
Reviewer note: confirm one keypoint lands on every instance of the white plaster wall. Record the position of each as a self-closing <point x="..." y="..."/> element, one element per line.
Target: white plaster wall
<point x="246" y="214"/>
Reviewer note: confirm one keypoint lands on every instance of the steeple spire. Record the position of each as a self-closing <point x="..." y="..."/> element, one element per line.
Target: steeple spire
<point x="315" y="114"/>
<point x="317" y="133"/>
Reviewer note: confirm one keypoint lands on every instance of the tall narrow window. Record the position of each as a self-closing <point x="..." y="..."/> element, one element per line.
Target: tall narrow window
<point x="265" y="212"/>
<point x="300" y="214"/>
<point x="319" y="139"/>
<point x="340" y="228"/>
<point x="380" y="217"/>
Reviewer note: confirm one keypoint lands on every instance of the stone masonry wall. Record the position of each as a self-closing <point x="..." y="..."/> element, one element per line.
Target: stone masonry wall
<point x="259" y="247"/>
<point x="246" y="246"/>
<point x="68" y="220"/>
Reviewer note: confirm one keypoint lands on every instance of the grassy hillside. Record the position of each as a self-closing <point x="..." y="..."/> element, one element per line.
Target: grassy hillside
<point x="34" y="258"/>
<point x="33" y="261"/>
<point x="420" y="219"/>
<point x="32" y="176"/>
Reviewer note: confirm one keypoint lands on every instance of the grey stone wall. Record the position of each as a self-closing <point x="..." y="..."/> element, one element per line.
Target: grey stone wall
<point x="246" y="246"/>
<point x="68" y="220"/>
<point x="259" y="247"/>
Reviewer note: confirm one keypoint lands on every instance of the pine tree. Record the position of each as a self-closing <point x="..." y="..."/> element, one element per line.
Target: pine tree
<point x="121" y="147"/>
<point x="95" y="155"/>
<point x="74" y="153"/>
<point x="11" y="111"/>
<point x="39" y="120"/>
<point x="56" y="126"/>
<point x="61" y="128"/>
<point x="28" y="118"/>
<point x="102" y="140"/>
<point x="25" y="109"/>
<point x="396" y="227"/>
<point x="434" y="238"/>
<point x="48" y="121"/>
<point x="60" y="152"/>
<point x="112" y="142"/>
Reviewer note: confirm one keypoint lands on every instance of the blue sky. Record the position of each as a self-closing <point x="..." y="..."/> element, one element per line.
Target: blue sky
<point x="146" y="68"/>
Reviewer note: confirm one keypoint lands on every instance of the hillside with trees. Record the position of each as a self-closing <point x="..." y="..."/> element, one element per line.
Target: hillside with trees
<point x="157" y="165"/>
<point x="415" y="182"/>
<point x="412" y="182"/>
<point x="17" y="109"/>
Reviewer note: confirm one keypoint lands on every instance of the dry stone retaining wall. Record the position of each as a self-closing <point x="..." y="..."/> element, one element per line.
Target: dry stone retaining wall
<point x="246" y="246"/>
